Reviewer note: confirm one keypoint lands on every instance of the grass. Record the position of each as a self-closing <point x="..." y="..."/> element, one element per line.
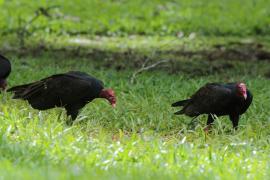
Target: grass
<point x="141" y="138"/>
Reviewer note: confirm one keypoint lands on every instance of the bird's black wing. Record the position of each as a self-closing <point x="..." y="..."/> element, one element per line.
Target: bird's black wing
<point x="58" y="90"/>
<point x="212" y="97"/>
<point x="5" y="67"/>
<point x="84" y="76"/>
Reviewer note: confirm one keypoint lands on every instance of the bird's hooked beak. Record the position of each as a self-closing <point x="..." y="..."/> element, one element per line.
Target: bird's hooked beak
<point x="244" y="93"/>
<point x="245" y="96"/>
<point x="112" y="100"/>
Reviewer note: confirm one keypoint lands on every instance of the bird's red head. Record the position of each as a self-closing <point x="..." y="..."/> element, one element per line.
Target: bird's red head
<point x="3" y="84"/>
<point x="109" y="95"/>
<point x="242" y="90"/>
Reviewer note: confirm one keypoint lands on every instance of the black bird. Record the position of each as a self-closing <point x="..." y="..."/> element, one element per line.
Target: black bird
<point x="231" y="99"/>
<point x="71" y="90"/>
<point x="5" y="69"/>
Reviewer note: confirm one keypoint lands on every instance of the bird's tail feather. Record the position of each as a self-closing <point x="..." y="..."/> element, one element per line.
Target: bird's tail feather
<point x="25" y="91"/>
<point x="180" y="103"/>
<point x="18" y="91"/>
<point x="18" y="88"/>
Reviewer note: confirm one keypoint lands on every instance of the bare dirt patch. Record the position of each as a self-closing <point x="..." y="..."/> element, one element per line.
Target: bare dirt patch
<point x="216" y="59"/>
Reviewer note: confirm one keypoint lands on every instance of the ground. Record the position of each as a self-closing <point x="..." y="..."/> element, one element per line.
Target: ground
<point x="141" y="138"/>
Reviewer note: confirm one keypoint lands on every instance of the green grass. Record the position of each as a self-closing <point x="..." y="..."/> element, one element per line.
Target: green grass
<point x="155" y="17"/>
<point x="141" y="138"/>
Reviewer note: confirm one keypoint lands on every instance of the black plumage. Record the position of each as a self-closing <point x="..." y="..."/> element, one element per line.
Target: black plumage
<point x="231" y="99"/>
<point x="5" y="69"/>
<point x="72" y="90"/>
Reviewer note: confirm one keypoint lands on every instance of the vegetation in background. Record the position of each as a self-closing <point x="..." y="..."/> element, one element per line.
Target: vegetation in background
<point x="125" y="17"/>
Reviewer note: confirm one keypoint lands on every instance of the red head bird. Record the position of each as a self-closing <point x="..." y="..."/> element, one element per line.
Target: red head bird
<point x="73" y="90"/>
<point x="220" y="99"/>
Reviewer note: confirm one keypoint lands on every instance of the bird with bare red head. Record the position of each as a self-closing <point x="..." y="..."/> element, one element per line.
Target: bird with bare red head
<point x="218" y="99"/>
<point x="71" y="90"/>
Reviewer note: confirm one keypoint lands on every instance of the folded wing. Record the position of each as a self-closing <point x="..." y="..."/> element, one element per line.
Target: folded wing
<point x="209" y="99"/>
<point x="58" y="90"/>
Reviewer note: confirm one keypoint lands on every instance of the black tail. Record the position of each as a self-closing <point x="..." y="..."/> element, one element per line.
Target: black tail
<point x="24" y="91"/>
<point x="180" y="103"/>
<point x="18" y="91"/>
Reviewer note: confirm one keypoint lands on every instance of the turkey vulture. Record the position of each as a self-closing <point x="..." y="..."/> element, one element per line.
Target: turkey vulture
<point x="71" y="90"/>
<point x="5" y="69"/>
<point x="231" y="99"/>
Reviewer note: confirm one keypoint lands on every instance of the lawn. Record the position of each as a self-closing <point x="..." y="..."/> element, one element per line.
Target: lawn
<point x="203" y="41"/>
<point x="141" y="138"/>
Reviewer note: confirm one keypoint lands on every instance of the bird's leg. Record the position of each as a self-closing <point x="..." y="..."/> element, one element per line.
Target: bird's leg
<point x="235" y="119"/>
<point x="72" y="115"/>
<point x="210" y="119"/>
<point x="209" y="123"/>
<point x="59" y="116"/>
